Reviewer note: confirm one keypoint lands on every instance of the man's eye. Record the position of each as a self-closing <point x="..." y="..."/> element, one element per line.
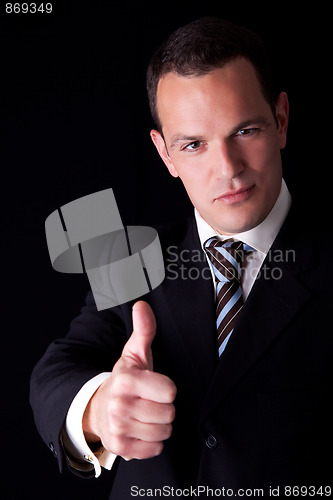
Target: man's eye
<point x="246" y="131"/>
<point x="193" y="146"/>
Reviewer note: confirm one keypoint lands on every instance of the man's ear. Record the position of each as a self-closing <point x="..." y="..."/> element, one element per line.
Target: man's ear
<point x="160" y="145"/>
<point x="282" y="115"/>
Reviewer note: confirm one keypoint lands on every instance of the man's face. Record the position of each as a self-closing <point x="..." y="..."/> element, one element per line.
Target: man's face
<point x="222" y="140"/>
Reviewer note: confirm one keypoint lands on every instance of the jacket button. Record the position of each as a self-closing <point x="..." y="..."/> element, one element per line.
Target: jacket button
<point x="52" y="448"/>
<point x="211" y="442"/>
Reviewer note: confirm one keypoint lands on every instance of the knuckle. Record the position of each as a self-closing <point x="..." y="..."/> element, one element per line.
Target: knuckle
<point x="171" y="392"/>
<point x="117" y="427"/>
<point x="157" y="449"/>
<point x="137" y="450"/>
<point x="117" y="406"/>
<point x="123" y="384"/>
<point x="164" y="432"/>
<point x="174" y="392"/>
<point x="114" y="405"/>
<point x="141" y="453"/>
<point x="170" y="413"/>
<point x="148" y="450"/>
<point x="168" y="431"/>
<point x="120" y="447"/>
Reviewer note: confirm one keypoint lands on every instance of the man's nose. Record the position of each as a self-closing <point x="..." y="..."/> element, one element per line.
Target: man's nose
<point x="228" y="162"/>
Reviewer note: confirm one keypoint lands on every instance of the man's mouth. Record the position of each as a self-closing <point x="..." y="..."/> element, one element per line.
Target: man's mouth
<point x="231" y="197"/>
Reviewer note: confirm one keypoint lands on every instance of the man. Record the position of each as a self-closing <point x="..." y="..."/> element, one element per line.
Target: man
<point x="182" y="402"/>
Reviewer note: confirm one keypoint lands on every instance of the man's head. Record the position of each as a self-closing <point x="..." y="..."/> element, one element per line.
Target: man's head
<point x="203" y="45"/>
<point x="219" y="126"/>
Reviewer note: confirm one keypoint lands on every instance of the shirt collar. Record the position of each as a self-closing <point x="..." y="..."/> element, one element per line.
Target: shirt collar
<point x="260" y="237"/>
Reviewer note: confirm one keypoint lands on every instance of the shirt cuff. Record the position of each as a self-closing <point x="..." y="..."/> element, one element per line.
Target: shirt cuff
<point x="79" y="453"/>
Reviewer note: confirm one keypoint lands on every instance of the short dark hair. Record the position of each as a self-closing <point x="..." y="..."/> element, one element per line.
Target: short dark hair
<point x="203" y="45"/>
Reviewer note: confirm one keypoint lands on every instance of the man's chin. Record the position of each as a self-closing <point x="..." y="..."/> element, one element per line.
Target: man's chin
<point x="231" y="227"/>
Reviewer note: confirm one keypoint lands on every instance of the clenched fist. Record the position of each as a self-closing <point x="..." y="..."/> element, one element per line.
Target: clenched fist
<point x="132" y="411"/>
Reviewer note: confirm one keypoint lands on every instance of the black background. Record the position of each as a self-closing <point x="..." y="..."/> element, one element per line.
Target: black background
<point x="75" y="120"/>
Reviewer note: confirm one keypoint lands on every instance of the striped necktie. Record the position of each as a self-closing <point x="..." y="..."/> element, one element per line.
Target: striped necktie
<point x="226" y="258"/>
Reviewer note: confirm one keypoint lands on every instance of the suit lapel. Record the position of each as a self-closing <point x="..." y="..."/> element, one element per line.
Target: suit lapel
<point x="275" y="299"/>
<point x="190" y="303"/>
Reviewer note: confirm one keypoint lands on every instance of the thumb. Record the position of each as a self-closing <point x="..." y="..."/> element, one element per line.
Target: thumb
<point x="138" y="347"/>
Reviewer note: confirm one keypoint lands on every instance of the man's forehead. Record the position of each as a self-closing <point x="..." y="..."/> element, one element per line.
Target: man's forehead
<point x="238" y="78"/>
<point x="233" y="91"/>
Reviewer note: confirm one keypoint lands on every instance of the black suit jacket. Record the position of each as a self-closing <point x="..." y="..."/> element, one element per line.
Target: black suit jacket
<point x="258" y="417"/>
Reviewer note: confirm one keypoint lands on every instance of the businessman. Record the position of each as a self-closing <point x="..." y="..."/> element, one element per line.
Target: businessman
<point x="220" y="378"/>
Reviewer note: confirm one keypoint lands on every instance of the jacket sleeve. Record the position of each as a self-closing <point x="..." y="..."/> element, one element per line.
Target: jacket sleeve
<point x="93" y="345"/>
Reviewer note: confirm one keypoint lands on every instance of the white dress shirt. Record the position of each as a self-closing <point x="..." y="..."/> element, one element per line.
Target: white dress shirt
<point x="260" y="238"/>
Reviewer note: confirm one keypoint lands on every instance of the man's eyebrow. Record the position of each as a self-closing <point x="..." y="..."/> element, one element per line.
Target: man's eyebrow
<point x="260" y="120"/>
<point x="177" y="138"/>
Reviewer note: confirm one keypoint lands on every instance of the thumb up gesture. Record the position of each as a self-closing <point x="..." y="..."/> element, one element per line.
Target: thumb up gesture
<point x="132" y="411"/>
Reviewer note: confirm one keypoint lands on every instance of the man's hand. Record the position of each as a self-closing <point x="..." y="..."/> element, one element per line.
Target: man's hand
<point x="132" y="411"/>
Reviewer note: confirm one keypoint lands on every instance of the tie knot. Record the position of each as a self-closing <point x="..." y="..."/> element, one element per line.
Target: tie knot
<point x="226" y="257"/>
